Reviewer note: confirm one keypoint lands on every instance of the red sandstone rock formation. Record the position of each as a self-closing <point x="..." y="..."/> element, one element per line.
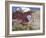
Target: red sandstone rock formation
<point x="21" y="16"/>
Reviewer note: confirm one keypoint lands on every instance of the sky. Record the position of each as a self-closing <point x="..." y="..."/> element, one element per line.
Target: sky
<point x="32" y="8"/>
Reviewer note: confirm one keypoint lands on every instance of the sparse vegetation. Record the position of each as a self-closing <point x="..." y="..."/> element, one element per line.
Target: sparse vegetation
<point x="18" y="27"/>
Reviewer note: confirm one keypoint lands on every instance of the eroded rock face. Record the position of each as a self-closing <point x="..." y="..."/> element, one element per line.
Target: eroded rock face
<point x="21" y="16"/>
<point x="36" y="20"/>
